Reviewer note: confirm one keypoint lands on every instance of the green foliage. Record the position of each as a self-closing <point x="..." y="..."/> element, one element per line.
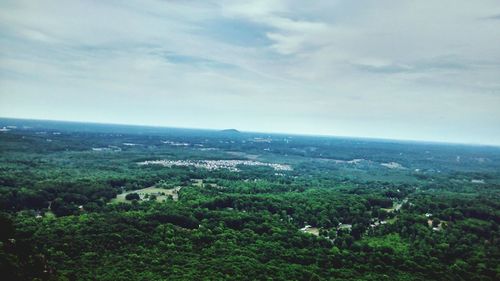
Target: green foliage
<point x="132" y="196"/>
<point x="434" y="219"/>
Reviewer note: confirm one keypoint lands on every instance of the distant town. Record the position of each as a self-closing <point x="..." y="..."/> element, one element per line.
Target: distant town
<point x="231" y="165"/>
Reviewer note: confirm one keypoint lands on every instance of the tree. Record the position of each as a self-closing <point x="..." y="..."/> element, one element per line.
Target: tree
<point x="132" y="196"/>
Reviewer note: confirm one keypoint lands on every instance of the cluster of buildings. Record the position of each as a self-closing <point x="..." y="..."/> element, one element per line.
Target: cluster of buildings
<point x="231" y="165"/>
<point x="113" y="148"/>
<point x="174" y="143"/>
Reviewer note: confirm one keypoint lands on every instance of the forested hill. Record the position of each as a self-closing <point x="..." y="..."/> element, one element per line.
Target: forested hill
<point x="114" y="202"/>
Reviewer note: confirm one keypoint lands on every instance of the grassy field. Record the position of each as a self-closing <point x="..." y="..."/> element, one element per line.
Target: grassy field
<point x="160" y="193"/>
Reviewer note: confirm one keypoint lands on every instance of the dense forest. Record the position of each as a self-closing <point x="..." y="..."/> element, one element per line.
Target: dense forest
<point x="111" y="202"/>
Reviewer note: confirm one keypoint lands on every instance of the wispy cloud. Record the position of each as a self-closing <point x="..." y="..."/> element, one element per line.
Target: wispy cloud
<point x="492" y="17"/>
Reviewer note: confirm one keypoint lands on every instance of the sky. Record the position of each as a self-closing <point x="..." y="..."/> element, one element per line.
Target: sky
<point x="416" y="70"/>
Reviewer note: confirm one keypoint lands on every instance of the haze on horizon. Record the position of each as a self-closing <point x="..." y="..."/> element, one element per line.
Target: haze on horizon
<point x="418" y="70"/>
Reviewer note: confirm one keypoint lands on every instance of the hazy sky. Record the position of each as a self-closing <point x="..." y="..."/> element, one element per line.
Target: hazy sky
<point x="426" y="70"/>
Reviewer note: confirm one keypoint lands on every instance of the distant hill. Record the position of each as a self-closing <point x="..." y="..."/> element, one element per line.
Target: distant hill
<point x="230" y="131"/>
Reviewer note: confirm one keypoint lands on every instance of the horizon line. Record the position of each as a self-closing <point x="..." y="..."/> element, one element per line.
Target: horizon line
<point x="436" y="142"/>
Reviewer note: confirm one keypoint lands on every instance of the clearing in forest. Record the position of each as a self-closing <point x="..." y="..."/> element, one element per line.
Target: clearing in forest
<point x="145" y="193"/>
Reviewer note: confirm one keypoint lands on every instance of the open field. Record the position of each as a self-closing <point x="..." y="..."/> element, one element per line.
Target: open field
<point x="161" y="194"/>
<point x="311" y="230"/>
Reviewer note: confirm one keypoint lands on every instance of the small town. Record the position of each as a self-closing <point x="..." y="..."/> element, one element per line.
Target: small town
<point x="231" y="165"/>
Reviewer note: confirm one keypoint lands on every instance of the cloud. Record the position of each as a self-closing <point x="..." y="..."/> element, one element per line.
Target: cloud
<point x="288" y="35"/>
<point x="367" y="68"/>
<point x="492" y="17"/>
<point x="430" y="65"/>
